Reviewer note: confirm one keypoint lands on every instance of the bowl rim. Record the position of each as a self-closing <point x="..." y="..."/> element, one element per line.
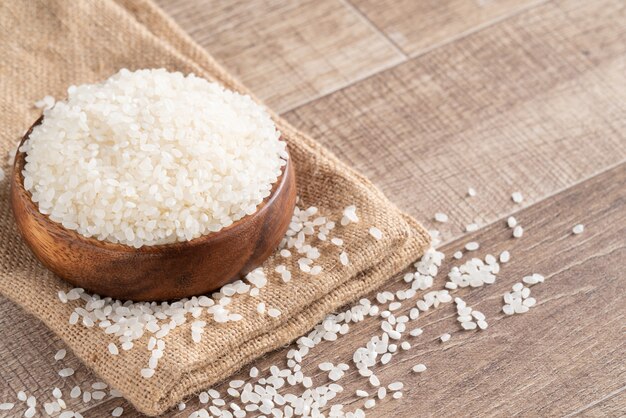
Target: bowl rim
<point x="206" y="239"/>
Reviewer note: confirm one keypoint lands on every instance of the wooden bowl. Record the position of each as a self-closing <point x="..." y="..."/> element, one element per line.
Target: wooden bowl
<point x="158" y="272"/>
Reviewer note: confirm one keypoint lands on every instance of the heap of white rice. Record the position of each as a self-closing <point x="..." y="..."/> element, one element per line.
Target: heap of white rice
<point x="151" y="157"/>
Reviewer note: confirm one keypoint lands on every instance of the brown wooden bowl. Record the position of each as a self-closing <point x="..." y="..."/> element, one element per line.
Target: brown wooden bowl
<point x="158" y="272"/>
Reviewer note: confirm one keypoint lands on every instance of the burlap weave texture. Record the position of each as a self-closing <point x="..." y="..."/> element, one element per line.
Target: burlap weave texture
<point x="48" y="46"/>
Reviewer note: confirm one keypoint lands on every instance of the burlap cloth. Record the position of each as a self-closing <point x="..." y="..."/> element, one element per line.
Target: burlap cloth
<point x="47" y="46"/>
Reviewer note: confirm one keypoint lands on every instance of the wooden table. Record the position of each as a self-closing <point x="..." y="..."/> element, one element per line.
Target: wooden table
<point x="429" y="98"/>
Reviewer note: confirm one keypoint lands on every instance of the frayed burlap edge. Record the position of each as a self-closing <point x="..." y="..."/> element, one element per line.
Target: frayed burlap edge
<point x="365" y="282"/>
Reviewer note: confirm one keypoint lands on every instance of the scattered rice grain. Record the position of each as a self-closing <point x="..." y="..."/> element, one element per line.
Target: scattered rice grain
<point x="441" y="217"/>
<point x="419" y="368"/>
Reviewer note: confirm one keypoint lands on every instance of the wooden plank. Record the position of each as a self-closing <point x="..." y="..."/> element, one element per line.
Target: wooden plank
<point x="557" y="70"/>
<point x="287" y="52"/>
<point x="530" y="105"/>
<point x="562" y="354"/>
<point x="551" y="361"/>
<point x="417" y="26"/>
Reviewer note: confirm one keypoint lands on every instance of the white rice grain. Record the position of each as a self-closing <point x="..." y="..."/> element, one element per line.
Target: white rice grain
<point x="419" y="368"/>
<point x="60" y="355"/>
<point x="113" y="349"/>
<point x="511" y="222"/>
<point x="395" y="386"/>
<point x="441" y="217"/>
<point x="343" y="258"/>
<point x="75" y="392"/>
<point x="376" y="233"/>
<point x="273" y="312"/>
<point x="171" y="161"/>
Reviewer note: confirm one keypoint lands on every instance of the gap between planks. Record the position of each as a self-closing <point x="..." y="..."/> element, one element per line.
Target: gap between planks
<point x="478" y="28"/>
<point x="425" y="51"/>
<point x="599" y="401"/>
<point x="373" y="26"/>
<point x="523" y="208"/>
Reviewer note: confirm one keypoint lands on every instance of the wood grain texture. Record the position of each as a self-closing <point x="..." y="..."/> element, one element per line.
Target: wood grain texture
<point x="556" y="359"/>
<point x="533" y="105"/>
<point x="155" y="272"/>
<point x="613" y="406"/>
<point x="560" y="356"/>
<point x="417" y="26"/>
<point x="286" y="52"/>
